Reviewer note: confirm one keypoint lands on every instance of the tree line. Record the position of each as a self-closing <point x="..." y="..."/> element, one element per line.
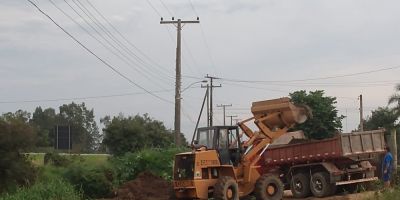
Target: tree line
<point x="130" y="133"/>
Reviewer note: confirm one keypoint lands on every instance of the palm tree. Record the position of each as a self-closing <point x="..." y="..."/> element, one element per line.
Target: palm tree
<point x="395" y="99"/>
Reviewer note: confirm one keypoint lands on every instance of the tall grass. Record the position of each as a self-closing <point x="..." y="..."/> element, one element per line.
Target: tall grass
<point x="50" y="190"/>
<point x="157" y="161"/>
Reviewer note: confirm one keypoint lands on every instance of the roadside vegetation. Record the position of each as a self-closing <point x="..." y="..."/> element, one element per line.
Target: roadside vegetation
<point x="136" y="143"/>
<point x="133" y="144"/>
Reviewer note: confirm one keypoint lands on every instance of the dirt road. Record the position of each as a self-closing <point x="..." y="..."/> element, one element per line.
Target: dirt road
<point x="357" y="196"/>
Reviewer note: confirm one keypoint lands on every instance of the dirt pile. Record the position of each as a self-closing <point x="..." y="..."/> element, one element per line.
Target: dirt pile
<point x="146" y="186"/>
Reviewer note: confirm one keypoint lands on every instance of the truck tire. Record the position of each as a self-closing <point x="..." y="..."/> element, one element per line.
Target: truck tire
<point x="269" y="187"/>
<point x="321" y="186"/>
<point x="226" y="188"/>
<point x="300" y="185"/>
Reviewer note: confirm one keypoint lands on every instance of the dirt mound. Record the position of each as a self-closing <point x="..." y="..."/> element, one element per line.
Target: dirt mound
<point x="146" y="186"/>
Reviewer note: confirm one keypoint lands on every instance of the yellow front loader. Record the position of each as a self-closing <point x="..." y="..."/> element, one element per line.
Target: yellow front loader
<point x="225" y="166"/>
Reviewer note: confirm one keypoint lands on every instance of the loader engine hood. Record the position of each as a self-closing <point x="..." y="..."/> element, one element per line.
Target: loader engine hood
<point x="184" y="167"/>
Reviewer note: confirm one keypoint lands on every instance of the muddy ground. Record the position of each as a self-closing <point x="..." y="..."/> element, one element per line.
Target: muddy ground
<point x="150" y="187"/>
<point x="145" y="187"/>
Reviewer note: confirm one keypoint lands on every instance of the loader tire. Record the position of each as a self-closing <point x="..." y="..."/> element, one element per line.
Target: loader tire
<point x="321" y="186"/>
<point x="300" y="185"/>
<point x="226" y="188"/>
<point x="269" y="187"/>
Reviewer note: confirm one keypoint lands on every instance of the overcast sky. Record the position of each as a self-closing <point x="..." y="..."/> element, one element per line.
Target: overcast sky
<point x="263" y="40"/>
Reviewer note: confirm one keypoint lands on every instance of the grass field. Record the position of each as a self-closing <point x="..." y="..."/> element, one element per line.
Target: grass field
<point x="89" y="159"/>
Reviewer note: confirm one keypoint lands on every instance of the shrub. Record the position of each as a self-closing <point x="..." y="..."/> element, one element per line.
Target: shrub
<point x="156" y="161"/>
<point x="53" y="189"/>
<point x="129" y="134"/>
<point x="16" y="136"/>
<point x="56" y="159"/>
<point x="95" y="182"/>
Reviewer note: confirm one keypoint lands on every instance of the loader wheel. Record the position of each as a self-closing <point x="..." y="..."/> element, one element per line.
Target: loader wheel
<point x="300" y="185"/>
<point x="269" y="187"/>
<point x="321" y="186"/>
<point x="226" y="189"/>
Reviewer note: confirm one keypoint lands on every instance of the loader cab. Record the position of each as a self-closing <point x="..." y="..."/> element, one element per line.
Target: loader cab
<point x="224" y="139"/>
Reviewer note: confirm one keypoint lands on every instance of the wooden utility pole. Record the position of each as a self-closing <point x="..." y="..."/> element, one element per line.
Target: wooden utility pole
<point x="393" y="148"/>
<point x="361" y="113"/>
<point x="231" y="116"/>
<point x="223" y="108"/>
<point x="236" y="120"/>
<point x="177" y="123"/>
<point x="210" y="118"/>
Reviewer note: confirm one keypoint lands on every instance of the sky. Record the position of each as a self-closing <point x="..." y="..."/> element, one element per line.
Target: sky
<point x="261" y="49"/>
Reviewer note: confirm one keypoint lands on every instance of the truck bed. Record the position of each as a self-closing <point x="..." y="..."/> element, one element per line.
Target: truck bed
<point x="354" y="146"/>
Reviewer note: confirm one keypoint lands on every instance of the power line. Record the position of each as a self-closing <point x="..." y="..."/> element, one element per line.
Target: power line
<point x="97" y="57"/>
<point x="191" y="57"/>
<point x="155" y="10"/>
<point x="185" y="44"/>
<point x="194" y="10"/>
<point x="137" y="61"/>
<point x="312" y="79"/>
<point x="124" y="38"/>
<point x="81" y="98"/>
<point x="259" y="88"/>
<point x="325" y="85"/>
<point x="90" y="34"/>
<point x="116" y="40"/>
<point x="204" y="38"/>
<point x="121" y="55"/>
<point x="166" y="8"/>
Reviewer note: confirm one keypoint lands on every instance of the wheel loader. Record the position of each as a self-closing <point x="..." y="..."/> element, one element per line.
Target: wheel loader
<point x="234" y="162"/>
<point x="223" y="166"/>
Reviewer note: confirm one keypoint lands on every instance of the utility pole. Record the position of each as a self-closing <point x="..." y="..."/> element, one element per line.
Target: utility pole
<point x="208" y="105"/>
<point x="223" y="108"/>
<point x="210" y="118"/>
<point x="361" y="113"/>
<point x="177" y="123"/>
<point x="237" y="120"/>
<point x="231" y="116"/>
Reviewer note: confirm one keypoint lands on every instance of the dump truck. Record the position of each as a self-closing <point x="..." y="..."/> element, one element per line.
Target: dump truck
<point x="234" y="162"/>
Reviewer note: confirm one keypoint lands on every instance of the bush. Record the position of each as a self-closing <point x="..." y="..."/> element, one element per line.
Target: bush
<point x="157" y="161"/>
<point x="56" y="159"/>
<point x="95" y="182"/>
<point x="53" y="189"/>
<point x="133" y="133"/>
<point x="16" y="136"/>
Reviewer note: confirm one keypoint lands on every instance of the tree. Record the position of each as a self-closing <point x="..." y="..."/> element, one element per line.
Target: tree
<point x="395" y="99"/>
<point x="16" y="136"/>
<point x="86" y="136"/>
<point x="325" y="121"/>
<point x="44" y="122"/>
<point x="129" y="134"/>
<point x="383" y="117"/>
<point x="19" y="115"/>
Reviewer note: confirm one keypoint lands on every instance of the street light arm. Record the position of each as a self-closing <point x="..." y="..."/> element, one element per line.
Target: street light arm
<point x="203" y="81"/>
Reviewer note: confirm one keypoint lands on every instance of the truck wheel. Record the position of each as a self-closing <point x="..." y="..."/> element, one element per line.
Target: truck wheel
<point x="321" y="186"/>
<point x="226" y="189"/>
<point x="269" y="187"/>
<point x="300" y="185"/>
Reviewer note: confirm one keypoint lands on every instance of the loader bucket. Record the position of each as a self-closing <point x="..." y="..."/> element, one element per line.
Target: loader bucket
<point x="286" y="114"/>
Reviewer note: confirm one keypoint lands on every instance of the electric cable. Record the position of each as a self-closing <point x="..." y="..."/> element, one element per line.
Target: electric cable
<point x="97" y="57"/>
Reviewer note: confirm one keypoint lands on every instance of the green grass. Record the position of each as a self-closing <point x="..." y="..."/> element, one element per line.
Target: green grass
<point x="48" y="190"/>
<point x="89" y="159"/>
